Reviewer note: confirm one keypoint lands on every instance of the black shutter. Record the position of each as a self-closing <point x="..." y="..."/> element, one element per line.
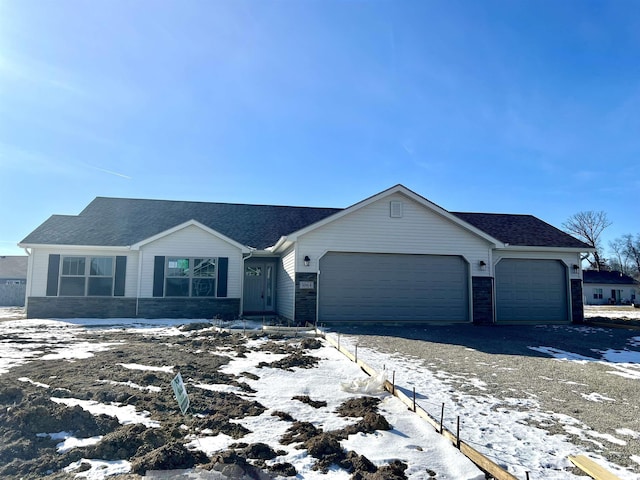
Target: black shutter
<point x="121" y="273"/>
<point x="53" y="275"/>
<point x="158" y="277"/>
<point x="223" y="269"/>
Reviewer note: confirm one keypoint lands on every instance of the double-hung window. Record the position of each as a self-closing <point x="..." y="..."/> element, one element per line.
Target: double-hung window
<point x="190" y="277"/>
<point x="597" y="293"/>
<point x="86" y="276"/>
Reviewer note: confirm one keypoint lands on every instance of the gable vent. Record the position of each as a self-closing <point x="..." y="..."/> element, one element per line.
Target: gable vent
<point x="395" y="209"/>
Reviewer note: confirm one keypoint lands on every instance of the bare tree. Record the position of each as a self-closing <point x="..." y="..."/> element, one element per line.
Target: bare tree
<point x="620" y="258"/>
<point x="588" y="226"/>
<point x="632" y="251"/>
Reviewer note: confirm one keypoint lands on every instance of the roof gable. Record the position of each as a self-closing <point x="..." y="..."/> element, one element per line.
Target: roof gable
<point x="190" y="223"/>
<point x="387" y="193"/>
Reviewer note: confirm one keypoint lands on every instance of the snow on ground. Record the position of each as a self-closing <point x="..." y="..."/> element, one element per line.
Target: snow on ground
<point x="411" y="439"/>
<point x="502" y="429"/>
<point x="508" y="438"/>
<point x="612" y="311"/>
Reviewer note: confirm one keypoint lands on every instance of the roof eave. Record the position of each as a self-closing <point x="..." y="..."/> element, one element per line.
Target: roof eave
<point x="74" y="247"/>
<point x="529" y="248"/>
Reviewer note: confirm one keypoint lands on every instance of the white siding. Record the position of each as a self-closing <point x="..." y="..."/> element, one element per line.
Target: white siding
<point x="371" y="229"/>
<point x="39" y="265"/>
<point x="626" y="292"/>
<point x="286" y="284"/>
<point x="191" y="241"/>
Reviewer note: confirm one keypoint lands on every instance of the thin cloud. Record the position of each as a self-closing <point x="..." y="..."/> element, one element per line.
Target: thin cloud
<point x="110" y="172"/>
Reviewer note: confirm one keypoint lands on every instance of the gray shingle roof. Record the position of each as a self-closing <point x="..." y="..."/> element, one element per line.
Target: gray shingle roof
<point x="124" y="222"/>
<point x="606" y="277"/>
<point x="521" y="230"/>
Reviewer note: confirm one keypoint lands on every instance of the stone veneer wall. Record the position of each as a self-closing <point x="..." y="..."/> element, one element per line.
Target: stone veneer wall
<point x="207" y="308"/>
<point x="81" y="307"/>
<point x="482" y="297"/>
<point x="306" y="301"/>
<point x="120" y="307"/>
<point x="577" y="307"/>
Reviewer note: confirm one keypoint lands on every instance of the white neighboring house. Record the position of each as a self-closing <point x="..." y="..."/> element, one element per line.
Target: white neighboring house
<point x="393" y="257"/>
<point x="13" y="280"/>
<point x="610" y="288"/>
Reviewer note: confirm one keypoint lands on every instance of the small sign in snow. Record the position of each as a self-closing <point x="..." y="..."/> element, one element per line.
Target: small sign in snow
<point x="181" y="393"/>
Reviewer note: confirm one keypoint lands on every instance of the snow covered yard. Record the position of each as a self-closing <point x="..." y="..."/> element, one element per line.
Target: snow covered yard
<point x="525" y="404"/>
<point x="92" y="399"/>
<point x="527" y="397"/>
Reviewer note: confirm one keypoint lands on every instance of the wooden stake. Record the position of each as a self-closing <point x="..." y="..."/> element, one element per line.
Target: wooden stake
<point x="414" y="399"/>
<point x="393" y="383"/>
<point x="441" y="418"/>
<point x="458" y="434"/>
<point x="356" y="353"/>
<point x="527" y="474"/>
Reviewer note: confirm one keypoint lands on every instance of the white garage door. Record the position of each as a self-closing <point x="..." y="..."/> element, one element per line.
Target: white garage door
<point x="532" y="291"/>
<point x="356" y="287"/>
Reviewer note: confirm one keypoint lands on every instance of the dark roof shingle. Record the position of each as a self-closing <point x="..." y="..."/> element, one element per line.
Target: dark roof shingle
<point x="124" y="222"/>
<point x="608" y="277"/>
<point x="521" y="230"/>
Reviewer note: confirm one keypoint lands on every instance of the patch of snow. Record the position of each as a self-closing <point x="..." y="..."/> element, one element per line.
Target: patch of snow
<point x="136" y="366"/>
<point x="597" y="397"/>
<point x="37" y="384"/>
<point x="125" y="414"/>
<point x="150" y="388"/>
<point x="100" y="469"/>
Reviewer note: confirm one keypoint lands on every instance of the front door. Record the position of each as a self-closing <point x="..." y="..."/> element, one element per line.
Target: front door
<point x="259" y="286"/>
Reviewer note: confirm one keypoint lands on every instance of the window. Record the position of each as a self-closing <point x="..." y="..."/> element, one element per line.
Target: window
<point x="597" y="293"/>
<point x="86" y="276"/>
<point x="190" y="277"/>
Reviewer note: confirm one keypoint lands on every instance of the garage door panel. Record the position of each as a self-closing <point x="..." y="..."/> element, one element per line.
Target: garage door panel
<point x="530" y="290"/>
<point x="387" y="287"/>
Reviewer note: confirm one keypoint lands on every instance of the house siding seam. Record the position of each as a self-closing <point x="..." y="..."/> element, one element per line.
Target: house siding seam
<point x="306" y="299"/>
<point x="285" y="290"/>
<point x="482" y="300"/>
<point x="577" y="308"/>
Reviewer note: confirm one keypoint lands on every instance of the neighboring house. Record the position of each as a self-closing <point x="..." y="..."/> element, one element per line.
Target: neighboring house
<point x="393" y="257"/>
<point x="13" y="280"/>
<point x="609" y="288"/>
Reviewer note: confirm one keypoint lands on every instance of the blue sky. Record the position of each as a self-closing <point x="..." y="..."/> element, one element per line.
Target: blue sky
<point x="488" y="106"/>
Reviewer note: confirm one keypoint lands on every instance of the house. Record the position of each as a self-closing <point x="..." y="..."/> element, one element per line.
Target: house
<point x="609" y="288"/>
<point x="13" y="280"/>
<point x="392" y="257"/>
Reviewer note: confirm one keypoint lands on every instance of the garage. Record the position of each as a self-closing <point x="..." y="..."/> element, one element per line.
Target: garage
<point x="531" y="291"/>
<point x="357" y="287"/>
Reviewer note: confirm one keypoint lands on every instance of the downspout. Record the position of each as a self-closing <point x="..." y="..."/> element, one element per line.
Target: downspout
<point x="139" y="286"/>
<point x="244" y="259"/>
<point x="27" y="293"/>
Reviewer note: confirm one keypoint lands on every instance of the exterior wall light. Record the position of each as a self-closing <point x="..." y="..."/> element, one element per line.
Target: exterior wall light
<point x="576" y="268"/>
<point x="307" y="261"/>
<point x="482" y="265"/>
